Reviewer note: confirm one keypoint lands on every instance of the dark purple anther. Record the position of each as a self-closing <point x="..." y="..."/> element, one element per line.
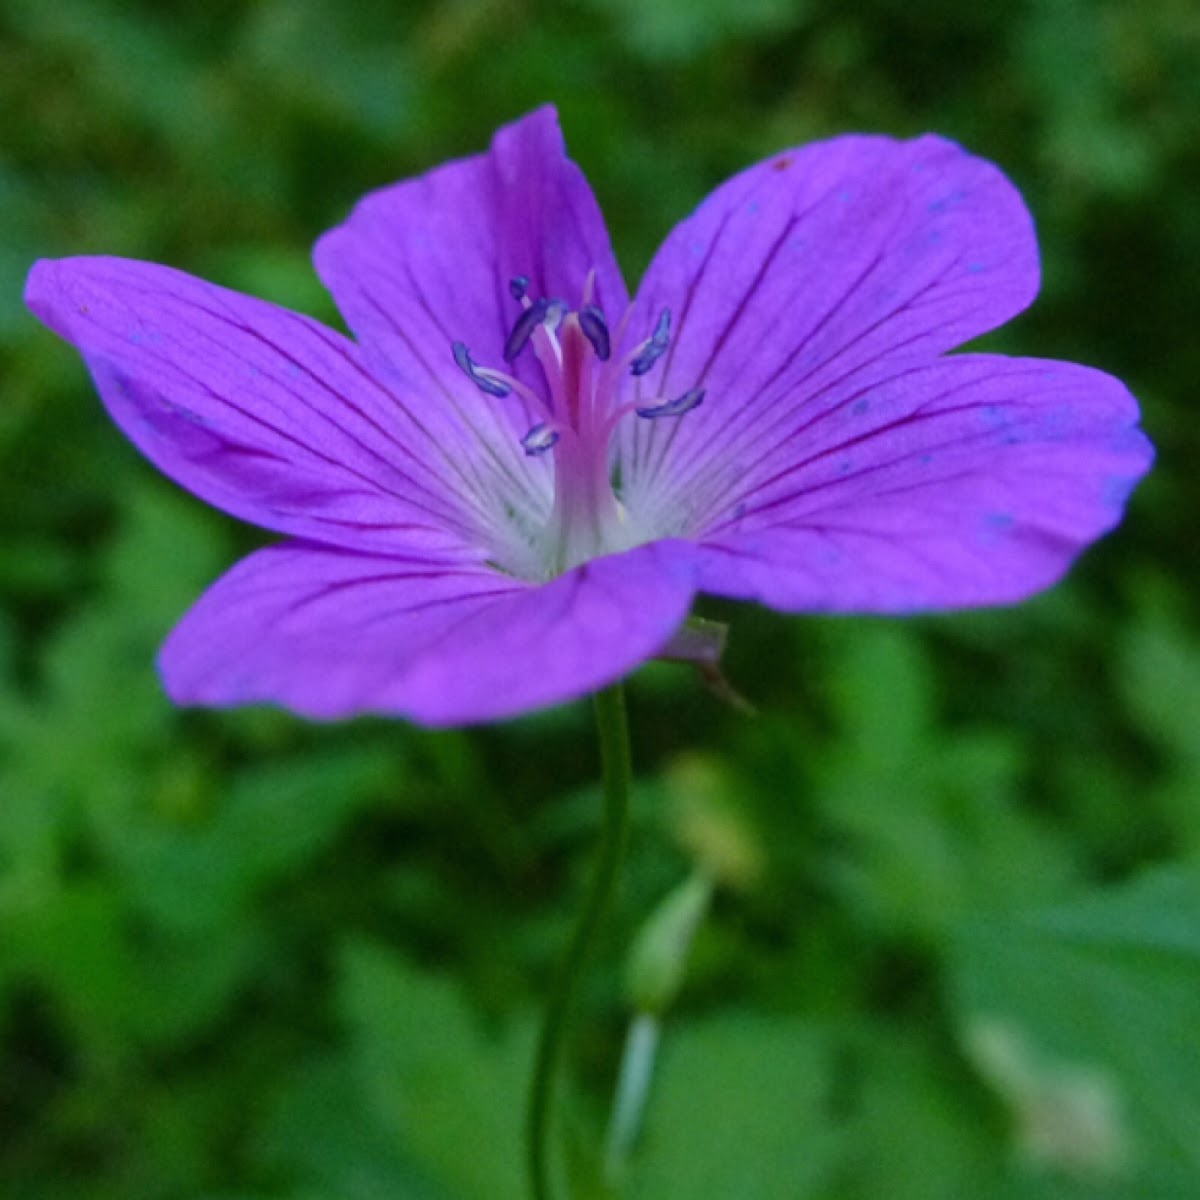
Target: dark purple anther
<point x="493" y="387"/>
<point x="595" y="329"/>
<point x="539" y="439"/>
<point x="518" y="285"/>
<point x="522" y="331"/>
<point x="655" y="346"/>
<point x="674" y="408"/>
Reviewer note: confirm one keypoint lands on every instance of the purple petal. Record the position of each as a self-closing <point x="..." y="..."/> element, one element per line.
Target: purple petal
<point x="810" y="274"/>
<point x="428" y="261"/>
<point x="262" y="412"/>
<point x="973" y="480"/>
<point x="330" y="634"/>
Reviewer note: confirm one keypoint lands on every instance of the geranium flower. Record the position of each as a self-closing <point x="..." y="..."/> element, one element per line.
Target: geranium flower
<point x="509" y="488"/>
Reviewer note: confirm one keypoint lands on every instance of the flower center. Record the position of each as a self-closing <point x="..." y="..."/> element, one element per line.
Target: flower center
<point x="580" y="409"/>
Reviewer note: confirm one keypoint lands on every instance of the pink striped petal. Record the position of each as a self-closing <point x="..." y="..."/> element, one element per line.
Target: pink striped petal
<point x="330" y="634"/>
<point x="810" y="276"/>
<point x="427" y="262"/>
<point x="972" y="480"/>
<point x="262" y="412"/>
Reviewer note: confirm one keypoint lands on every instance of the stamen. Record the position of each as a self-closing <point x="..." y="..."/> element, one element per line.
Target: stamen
<point x="539" y="439"/>
<point x="674" y="408"/>
<point x="522" y="331"/>
<point x="654" y="347"/>
<point x="571" y="415"/>
<point x="478" y="375"/>
<point x="595" y="329"/>
<point x="555" y="311"/>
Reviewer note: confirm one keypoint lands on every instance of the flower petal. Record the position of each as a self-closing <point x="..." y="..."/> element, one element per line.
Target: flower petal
<point x="330" y="634"/>
<point x="814" y="271"/>
<point x="263" y="412"/>
<point x="973" y="480"/>
<point x="427" y="262"/>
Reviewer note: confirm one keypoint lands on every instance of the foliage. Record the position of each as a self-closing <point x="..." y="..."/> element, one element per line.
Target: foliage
<point x="243" y="958"/>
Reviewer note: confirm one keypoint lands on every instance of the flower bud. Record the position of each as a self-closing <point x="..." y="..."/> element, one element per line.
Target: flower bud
<point x="709" y="826"/>
<point x="658" y="961"/>
<point x="1067" y="1115"/>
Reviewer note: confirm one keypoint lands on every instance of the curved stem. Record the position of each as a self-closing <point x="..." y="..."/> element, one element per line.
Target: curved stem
<point x="612" y="729"/>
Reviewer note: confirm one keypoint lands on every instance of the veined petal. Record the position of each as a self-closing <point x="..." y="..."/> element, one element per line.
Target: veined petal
<point x="330" y="634"/>
<point x="972" y="480"/>
<point x="262" y="412"/>
<point x="426" y="262"/>
<point x="809" y="274"/>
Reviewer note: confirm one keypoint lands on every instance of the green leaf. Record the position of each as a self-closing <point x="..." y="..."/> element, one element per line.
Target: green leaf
<point x="324" y="1132"/>
<point x="673" y="30"/>
<point x="930" y="821"/>
<point x="451" y="1095"/>
<point x="73" y="945"/>
<point x="273" y="820"/>
<point x="911" y="1136"/>
<point x="738" y="1110"/>
<point x="1096" y="1003"/>
<point x="1159" y="672"/>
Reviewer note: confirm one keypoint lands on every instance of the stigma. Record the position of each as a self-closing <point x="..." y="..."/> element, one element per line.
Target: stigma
<point x="584" y="372"/>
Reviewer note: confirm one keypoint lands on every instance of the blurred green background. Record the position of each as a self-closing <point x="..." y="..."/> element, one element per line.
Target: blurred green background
<point x="245" y="958"/>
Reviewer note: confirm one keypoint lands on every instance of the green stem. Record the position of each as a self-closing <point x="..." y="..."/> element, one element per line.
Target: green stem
<point x="612" y="729"/>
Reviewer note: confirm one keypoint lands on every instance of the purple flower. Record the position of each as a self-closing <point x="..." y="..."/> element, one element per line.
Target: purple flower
<point x="507" y="491"/>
